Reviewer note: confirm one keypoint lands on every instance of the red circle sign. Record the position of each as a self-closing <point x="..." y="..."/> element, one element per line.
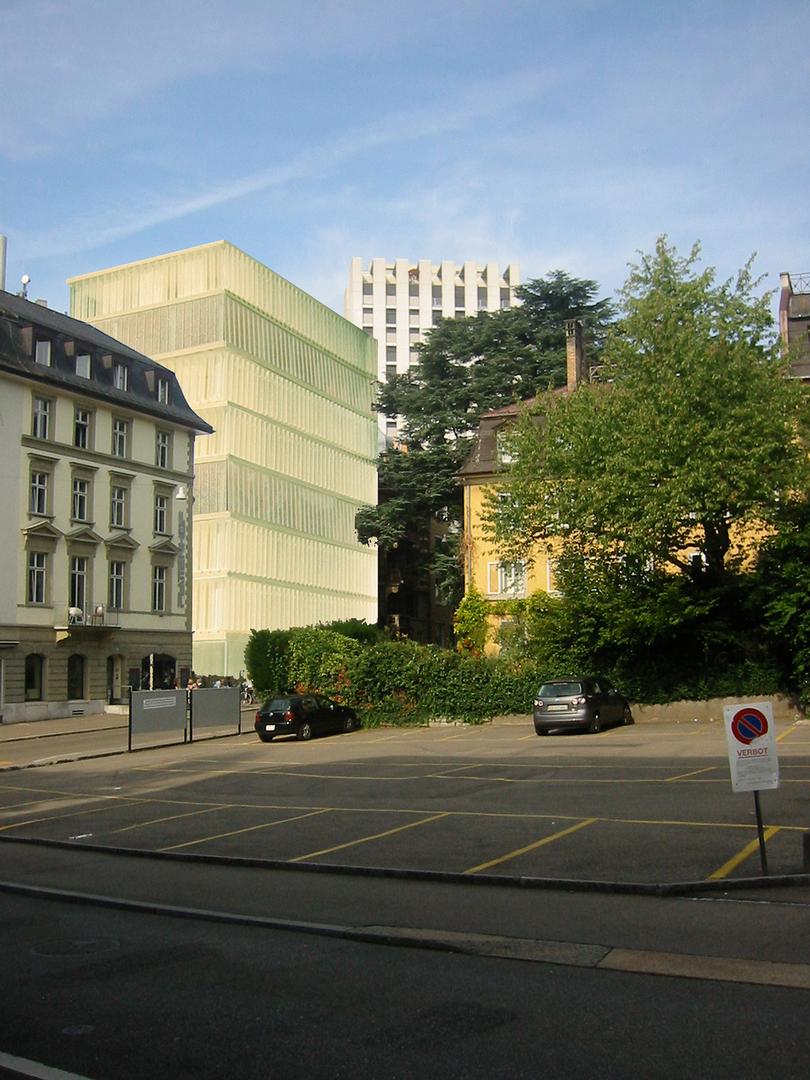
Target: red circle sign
<point x="748" y="724"/>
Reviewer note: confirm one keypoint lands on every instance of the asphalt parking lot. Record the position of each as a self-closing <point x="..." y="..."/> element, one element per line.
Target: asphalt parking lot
<point x="650" y="803"/>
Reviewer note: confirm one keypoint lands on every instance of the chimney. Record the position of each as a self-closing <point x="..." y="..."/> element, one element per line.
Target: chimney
<point x="574" y="353"/>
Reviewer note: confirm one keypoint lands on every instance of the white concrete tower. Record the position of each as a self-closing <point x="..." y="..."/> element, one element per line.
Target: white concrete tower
<point x="398" y="302"/>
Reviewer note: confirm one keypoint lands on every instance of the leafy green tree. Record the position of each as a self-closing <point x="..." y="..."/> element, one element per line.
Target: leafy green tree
<point x="467" y="367"/>
<point x="685" y="451"/>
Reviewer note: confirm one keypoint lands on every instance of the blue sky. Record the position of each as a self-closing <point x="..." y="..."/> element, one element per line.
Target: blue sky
<point x="555" y="134"/>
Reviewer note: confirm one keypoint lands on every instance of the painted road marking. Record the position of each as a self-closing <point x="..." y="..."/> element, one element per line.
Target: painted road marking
<point x="250" y="828"/>
<point x="786" y="732"/>
<point x="172" y="817"/>
<point x="531" y="847"/>
<point x="695" y="772"/>
<point x="61" y="817"/>
<point x="749" y="849"/>
<point x="366" y="839"/>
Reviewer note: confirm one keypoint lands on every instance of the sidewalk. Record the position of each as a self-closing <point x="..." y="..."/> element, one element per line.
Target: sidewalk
<point x="64" y="725"/>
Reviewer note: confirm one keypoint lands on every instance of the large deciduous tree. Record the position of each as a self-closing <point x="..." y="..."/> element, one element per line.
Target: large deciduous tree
<point x="683" y="454"/>
<point x="467" y="367"/>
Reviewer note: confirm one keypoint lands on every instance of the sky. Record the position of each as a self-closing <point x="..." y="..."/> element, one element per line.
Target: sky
<point x="557" y="134"/>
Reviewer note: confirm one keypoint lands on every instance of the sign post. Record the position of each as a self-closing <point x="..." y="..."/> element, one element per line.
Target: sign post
<point x="752" y="756"/>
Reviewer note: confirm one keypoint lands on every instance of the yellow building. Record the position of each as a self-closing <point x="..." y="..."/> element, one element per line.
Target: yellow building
<point x="484" y="570"/>
<point x="287" y="384"/>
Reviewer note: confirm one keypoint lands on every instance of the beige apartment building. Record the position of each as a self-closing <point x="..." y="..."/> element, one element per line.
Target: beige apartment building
<point x="96" y="473"/>
<point x="287" y="384"/>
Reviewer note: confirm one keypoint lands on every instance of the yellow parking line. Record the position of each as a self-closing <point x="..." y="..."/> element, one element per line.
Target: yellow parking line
<point x="172" y="817"/>
<point x="749" y="849"/>
<point x="531" y="847"/>
<point x="446" y="772"/>
<point x="60" y="817"/>
<point x="786" y="732"/>
<point x="250" y="828"/>
<point x="695" y="772"/>
<point x="366" y="839"/>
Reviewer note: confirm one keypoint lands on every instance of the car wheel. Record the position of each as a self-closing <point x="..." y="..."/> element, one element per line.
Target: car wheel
<point x="595" y="725"/>
<point x="265" y="737"/>
<point x="304" y="732"/>
<point x="348" y="723"/>
<point x="627" y="717"/>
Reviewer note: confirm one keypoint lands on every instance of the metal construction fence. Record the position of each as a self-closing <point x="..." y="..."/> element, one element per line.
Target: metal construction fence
<point x="169" y="717"/>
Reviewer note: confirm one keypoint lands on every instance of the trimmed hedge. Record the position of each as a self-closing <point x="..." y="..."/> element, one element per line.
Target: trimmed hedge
<point x="389" y="682"/>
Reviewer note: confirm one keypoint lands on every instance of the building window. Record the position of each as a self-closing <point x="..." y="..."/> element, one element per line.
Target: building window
<point x="390" y="354"/>
<point x="163" y="391"/>
<point x="121" y="377"/>
<point x="367" y="288"/>
<point x="115" y="590"/>
<point x="161" y="514"/>
<point x="120" y="437"/>
<point x="78" y="583"/>
<point x="37" y="566"/>
<point x="437" y="298"/>
<point x="482" y="299"/>
<point x="41" y="426"/>
<point x="118" y="507"/>
<point x="82" y="419"/>
<point x="39" y="493"/>
<point x="390" y="290"/>
<point x="390" y="316"/>
<point x="390" y="371"/>
<point x="83" y="365"/>
<point x="159" y="588"/>
<point x="162" y="448"/>
<point x="81" y="499"/>
<point x="34" y="672"/>
<point x="43" y="353"/>
<point x="506" y="579"/>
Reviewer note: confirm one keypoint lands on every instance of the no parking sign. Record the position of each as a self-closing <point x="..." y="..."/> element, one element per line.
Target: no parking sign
<point x="751" y="746"/>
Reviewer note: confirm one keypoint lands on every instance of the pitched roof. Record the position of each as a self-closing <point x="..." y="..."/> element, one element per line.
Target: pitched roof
<point x="18" y="315"/>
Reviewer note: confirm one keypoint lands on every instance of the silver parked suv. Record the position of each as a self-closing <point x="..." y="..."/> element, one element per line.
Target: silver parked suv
<point x="589" y="703"/>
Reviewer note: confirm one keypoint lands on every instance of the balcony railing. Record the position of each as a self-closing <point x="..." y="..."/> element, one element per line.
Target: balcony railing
<point x="800" y="283"/>
<point x="93" y="616"/>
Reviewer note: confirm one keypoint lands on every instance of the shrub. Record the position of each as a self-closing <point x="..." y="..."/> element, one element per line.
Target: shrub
<point x="266" y="661"/>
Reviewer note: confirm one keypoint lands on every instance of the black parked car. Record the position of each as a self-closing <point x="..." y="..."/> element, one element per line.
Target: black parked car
<point x="589" y="703"/>
<point x="302" y="715"/>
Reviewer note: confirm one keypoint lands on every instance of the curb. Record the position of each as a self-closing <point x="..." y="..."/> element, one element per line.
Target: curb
<point x="562" y="953"/>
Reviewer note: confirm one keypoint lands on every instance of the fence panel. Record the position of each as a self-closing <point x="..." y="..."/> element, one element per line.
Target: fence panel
<point x="215" y="712"/>
<point x="156" y="718"/>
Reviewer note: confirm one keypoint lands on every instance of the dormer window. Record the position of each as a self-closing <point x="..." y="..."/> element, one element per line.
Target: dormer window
<point x="83" y="365"/>
<point x="163" y="391"/>
<point x="43" y="353"/>
<point x="121" y="377"/>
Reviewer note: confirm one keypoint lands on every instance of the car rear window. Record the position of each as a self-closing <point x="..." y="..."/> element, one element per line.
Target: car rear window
<point x="278" y="704"/>
<point x="559" y="689"/>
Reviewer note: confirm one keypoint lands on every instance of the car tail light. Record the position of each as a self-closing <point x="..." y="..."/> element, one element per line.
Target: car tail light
<point x="258" y="715"/>
<point x="579" y="701"/>
<point x="288" y="715"/>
